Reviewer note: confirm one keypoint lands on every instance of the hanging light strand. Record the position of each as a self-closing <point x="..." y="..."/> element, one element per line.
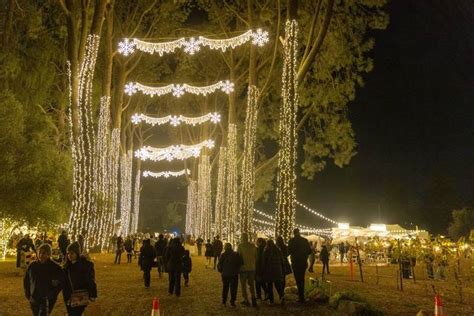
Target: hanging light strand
<point x="165" y="174"/>
<point x="178" y="90"/>
<point x="176" y="120"/>
<point x="173" y="152"/>
<point x="315" y="213"/>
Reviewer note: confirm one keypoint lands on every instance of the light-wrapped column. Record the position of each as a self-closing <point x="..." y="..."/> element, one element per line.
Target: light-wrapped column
<point x="231" y="186"/>
<point x="204" y="198"/>
<point x="136" y="202"/>
<point x="220" y="194"/>
<point x="191" y="209"/>
<point x="125" y="192"/>
<point x="113" y="165"/>
<point x="286" y="179"/>
<point x="248" y="164"/>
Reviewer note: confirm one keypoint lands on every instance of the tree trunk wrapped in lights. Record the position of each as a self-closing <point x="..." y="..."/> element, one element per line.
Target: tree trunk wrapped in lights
<point x="136" y="200"/>
<point x="204" y="198"/>
<point x="248" y="164"/>
<point x="287" y="155"/>
<point x="113" y="165"/>
<point x="191" y="209"/>
<point x="220" y="194"/>
<point x="125" y="192"/>
<point x="231" y="187"/>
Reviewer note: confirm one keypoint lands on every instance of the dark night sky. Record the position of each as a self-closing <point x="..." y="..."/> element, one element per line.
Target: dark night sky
<point x="413" y="119"/>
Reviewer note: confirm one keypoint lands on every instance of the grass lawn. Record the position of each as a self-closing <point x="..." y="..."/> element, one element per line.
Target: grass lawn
<point x="121" y="292"/>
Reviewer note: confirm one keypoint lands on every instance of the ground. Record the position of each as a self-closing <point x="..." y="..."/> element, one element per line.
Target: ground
<point x="121" y="292"/>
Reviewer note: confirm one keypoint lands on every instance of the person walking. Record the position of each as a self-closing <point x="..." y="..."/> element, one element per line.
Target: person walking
<point x="174" y="265"/>
<point x="63" y="243"/>
<point x="324" y="256"/>
<point x="129" y="249"/>
<point x="259" y="269"/>
<point x="229" y="266"/>
<point x="43" y="281"/>
<point x="342" y="251"/>
<point x="209" y="253"/>
<point x="81" y="241"/>
<point x="79" y="286"/>
<point x="160" y="247"/>
<point x="248" y="252"/>
<point x="146" y="259"/>
<point x="299" y="250"/>
<point x="118" y="250"/>
<point x="187" y="267"/>
<point x="312" y="256"/>
<point x="280" y="243"/>
<point x="216" y="249"/>
<point x="199" y="242"/>
<point x="23" y="252"/>
<point x="274" y="271"/>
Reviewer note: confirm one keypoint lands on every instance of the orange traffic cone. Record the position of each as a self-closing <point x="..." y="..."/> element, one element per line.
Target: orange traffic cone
<point x="438" y="306"/>
<point x="156" y="307"/>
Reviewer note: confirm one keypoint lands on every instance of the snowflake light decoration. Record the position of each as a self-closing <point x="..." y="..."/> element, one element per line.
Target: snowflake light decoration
<point x="126" y="47"/>
<point x="136" y="119"/>
<point x="130" y="88"/>
<point x="192" y="46"/>
<point x="227" y="86"/>
<point x="260" y="37"/>
<point x="215" y="117"/>
<point x="175" y="120"/>
<point x="142" y="153"/>
<point x="178" y="90"/>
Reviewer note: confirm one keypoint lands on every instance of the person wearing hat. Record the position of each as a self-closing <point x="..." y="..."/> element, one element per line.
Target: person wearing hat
<point x="80" y="277"/>
<point x="43" y="281"/>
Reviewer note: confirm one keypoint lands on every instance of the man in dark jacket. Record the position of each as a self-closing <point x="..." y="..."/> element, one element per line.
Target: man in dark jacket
<point x="24" y="245"/>
<point x="199" y="242"/>
<point x="160" y="247"/>
<point x="174" y="265"/>
<point x="299" y="250"/>
<point x="324" y="256"/>
<point x="63" y="242"/>
<point x="217" y="249"/>
<point x="147" y="257"/>
<point x="43" y="281"/>
<point x="229" y="267"/>
<point x="259" y="270"/>
<point x="187" y="267"/>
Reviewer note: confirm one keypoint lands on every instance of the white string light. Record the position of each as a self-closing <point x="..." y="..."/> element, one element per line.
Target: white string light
<point x="178" y="90"/>
<point x="126" y="192"/>
<point x="231" y="185"/>
<point x="128" y="46"/>
<point x="314" y="212"/>
<point x="220" y="194"/>
<point x="204" y="218"/>
<point x="166" y="174"/>
<point x="136" y="203"/>
<point x="173" y="152"/>
<point x="286" y="178"/>
<point x="176" y="120"/>
<point x="191" y="209"/>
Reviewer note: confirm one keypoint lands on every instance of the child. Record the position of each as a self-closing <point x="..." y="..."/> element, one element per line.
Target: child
<point x="187" y="267"/>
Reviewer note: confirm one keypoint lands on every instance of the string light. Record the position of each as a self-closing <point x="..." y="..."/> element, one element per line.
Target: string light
<point x="192" y="45"/>
<point x="231" y="186"/>
<point x="166" y="174"/>
<point x="286" y="178"/>
<point x="113" y="165"/>
<point x="315" y="213"/>
<point x="175" y="120"/>
<point x="220" y="194"/>
<point x="204" y="218"/>
<point x="136" y="202"/>
<point x="173" y="152"/>
<point x="178" y="90"/>
<point x="248" y="164"/>
<point x="191" y="209"/>
<point x="126" y="192"/>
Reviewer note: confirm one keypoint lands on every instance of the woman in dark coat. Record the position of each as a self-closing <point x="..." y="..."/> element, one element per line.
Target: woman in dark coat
<point x="229" y="266"/>
<point x="324" y="256"/>
<point x="174" y="265"/>
<point x="286" y="264"/>
<point x="259" y="269"/>
<point x="209" y="253"/>
<point x="129" y="249"/>
<point x="146" y="259"/>
<point x="118" y="250"/>
<point x="274" y="270"/>
<point x="80" y="275"/>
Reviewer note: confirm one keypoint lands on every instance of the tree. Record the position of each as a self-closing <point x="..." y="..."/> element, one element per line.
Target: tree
<point x="462" y="223"/>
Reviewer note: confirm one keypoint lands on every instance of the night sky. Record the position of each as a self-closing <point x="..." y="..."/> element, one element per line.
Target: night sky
<point x="414" y="123"/>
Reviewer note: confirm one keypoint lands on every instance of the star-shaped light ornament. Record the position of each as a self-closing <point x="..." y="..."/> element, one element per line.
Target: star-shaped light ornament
<point x="192" y="46"/>
<point x="146" y="173"/>
<point x="178" y="90"/>
<point x="175" y="120"/>
<point x="227" y="87"/>
<point x="126" y="47"/>
<point x="130" y="88"/>
<point x="260" y="37"/>
<point x="136" y="118"/>
<point x="142" y="153"/>
<point x="215" y="117"/>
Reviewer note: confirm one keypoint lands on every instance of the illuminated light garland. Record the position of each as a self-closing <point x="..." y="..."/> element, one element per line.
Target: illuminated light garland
<point x="231" y="185"/>
<point x="136" y="203"/>
<point x="173" y="152"/>
<point x="191" y="209"/>
<point x="178" y="90"/>
<point x="166" y="174"/>
<point x="248" y="164"/>
<point x="315" y="213"/>
<point x="204" y="206"/>
<point x="126" y="192"/>
<point x="220" y="194"/>
<point x="286" y="178"/>
<point x="176" y="120"/>
<point x="127" y="47"/>
<point x="113" y="165"/>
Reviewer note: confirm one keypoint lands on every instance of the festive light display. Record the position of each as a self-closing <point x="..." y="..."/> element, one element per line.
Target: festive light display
<point x="136" y="202"/>
<point x="175" y="120"/>
<point x="315" y="213"/>
<point x="192" y="45"/>
<point x="204" y="207"/>
<point x="231" y="186"/>
<point x="191" y="209"/>
<point x="173" y="152"/>
<point x="286" y="178"/>
<point x="248" y="164"/>
<point x="113" y="165"/>
<point x="178" y="90"/>
<point x="220" y="194"/>
<point x="125" y="192"/>
<point x="166" y="174"/>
